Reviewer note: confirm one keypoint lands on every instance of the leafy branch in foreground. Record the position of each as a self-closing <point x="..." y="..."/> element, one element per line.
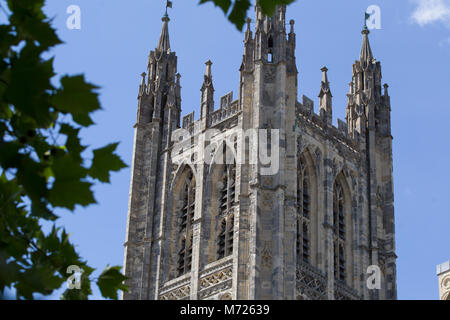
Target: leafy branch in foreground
<point x="42" y="166"/>
<point x="236" y="10"/>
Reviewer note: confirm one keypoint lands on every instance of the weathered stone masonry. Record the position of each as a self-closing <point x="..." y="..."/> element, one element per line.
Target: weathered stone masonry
<point x="200" y="230"/>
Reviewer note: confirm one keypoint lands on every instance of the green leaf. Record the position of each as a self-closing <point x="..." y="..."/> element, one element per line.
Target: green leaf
<point x="105" y="160"/>
<point x="239" y="13"/>
<point x="73" y="143"/>
<point x="31" y="22"/>
<point x="67" y="194"/>
<point x="39" y="209"/>
<point x="9" y="154"/>
<point x="69" y="188"/>
<point x="110" y="281"/>
<point x="38" y="279"/>
<point x="9" y="271"/>
<point x="268" y="6"/>
<point x="30" y="177"/>
<point x="34" y="174"/>
<point x="30" y="74"/>
<point x="223" y="4"/>
<point x="78" y="98"/>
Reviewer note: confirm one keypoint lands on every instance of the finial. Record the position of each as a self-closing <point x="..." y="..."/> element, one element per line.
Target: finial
<point x="164" y="43"/>
<point x="365" y="29"/>
<point x="386" y="86"/>
<point x="168" y="5"/>
<point x="143" y="74"/>
<point x="366" y="55"/>
<point x="292" y="22"/>
<point x="324" y="75"/>
<point x="325" y="84"/>
<point x="208" y="69"/>
<point x="142" y="87"/>
<point x="249" y="20"/>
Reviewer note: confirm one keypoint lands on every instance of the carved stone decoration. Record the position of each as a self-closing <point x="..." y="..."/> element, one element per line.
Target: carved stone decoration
<point x="269" y="74"/>
<point x="443" y="273"/>
<point x="226" y="296"/>
<point x="216" y="278"/>
<point x="266" y="256"/>
<point x="226" y="100"/>
<point x="343" y="292"/>
<point x="215" y="289"/>
<point x="216" y="282"/>
<point x="318" y="155"/>
<point x="301" y="144"/>
<point x="445" y="287"/>
<point x="177" y="294"/>
<point x="311" y="283"/>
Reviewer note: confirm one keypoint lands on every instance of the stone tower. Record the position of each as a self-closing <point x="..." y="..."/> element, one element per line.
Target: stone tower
<point x="261" y="198"/>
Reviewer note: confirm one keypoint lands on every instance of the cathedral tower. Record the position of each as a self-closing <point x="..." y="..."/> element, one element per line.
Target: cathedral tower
<point x="261" y="198"/>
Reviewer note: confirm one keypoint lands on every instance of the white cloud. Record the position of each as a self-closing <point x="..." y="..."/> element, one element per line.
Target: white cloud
<point x="430" y="11"/>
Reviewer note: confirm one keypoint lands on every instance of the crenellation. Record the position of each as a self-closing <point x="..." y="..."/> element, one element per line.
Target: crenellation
<point x="188" y="120"/>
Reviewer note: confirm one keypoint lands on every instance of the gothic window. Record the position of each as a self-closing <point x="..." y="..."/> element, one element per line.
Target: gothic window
<point x="185" y="226"/>
<point x="270" y="49"/>
<point x="339" y="228"/>
<point x="303" y="214"/>
<point x="225" y="216"/>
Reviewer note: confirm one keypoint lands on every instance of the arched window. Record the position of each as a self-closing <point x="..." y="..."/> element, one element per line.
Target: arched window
<point x="185" y="229"/>
<point x="270" y="50"/>
<point x="303" y="214"/>
<point x="225" y="217"/>
<point x="339" y="229"/>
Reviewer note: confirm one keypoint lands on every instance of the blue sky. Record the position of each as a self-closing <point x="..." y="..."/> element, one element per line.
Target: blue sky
<point x="413" y="45"/>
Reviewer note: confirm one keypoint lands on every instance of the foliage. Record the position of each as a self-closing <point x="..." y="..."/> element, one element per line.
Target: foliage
<point x="42" y="160"/>
<point x="236" y="10"/>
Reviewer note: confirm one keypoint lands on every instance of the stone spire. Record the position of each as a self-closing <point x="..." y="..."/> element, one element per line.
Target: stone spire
<point x="270" y="35"/>
<point x="162" y="87"/>
<point x="366" y="55"/>
<point x="142" y="86"/>
<point x="325" y="97"/>
<point x="207" y="103"/>
<point x="164" y="43"/>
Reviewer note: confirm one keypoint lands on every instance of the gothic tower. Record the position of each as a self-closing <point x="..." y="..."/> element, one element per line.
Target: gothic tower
<point x="261" y="198"/>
